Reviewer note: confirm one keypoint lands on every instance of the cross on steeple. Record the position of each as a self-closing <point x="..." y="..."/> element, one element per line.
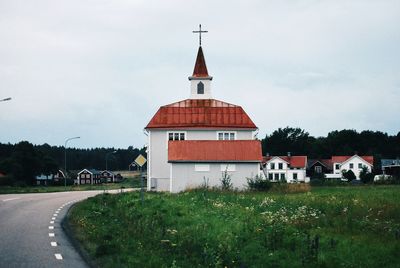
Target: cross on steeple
<point x="199" y="32"/>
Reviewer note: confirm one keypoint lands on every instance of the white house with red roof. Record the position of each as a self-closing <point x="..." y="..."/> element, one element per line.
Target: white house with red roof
<point x="354" y="163"/>
<point x="288" y="168"/>
<point x="193" y="141"/>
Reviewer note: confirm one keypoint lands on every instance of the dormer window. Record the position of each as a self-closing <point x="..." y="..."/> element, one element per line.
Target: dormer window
<point x="200" y="88"/>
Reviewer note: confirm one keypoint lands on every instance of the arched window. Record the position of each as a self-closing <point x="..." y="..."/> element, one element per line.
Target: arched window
<point x="200" y="88"/>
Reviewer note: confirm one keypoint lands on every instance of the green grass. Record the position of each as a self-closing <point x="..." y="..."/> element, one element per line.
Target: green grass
<point x="327" y="227"/>
<point x="126" y="183"/>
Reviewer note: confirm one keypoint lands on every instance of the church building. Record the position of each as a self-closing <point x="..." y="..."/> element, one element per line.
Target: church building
<point x="193" y="142"/>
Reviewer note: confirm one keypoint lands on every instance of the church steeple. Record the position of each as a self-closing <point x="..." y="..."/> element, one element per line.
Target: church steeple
<point x="200" y="81"/>
<point x="200" y="68"/>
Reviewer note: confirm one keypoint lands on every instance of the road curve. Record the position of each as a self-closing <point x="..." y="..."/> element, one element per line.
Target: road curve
<point x="31" y="233"/>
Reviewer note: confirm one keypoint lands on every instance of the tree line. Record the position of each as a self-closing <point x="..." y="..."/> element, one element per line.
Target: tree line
<point x="344" y="142"/>
<point x="23" y="161"/>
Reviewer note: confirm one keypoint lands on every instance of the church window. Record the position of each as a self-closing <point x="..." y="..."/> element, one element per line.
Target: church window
<point x="202" y="167"/>
<point x="200" y="88"/>
<point x="226" y="135"/>
<point x="176" y="136"/>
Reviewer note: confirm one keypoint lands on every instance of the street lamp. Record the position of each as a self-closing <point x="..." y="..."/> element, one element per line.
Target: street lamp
<point x="65" y="158"/>
<point x="6" y="99"/>
<point x="107" y="154"/>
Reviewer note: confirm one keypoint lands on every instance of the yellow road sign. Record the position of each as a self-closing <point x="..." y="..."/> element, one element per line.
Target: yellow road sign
<point x="140" y="160"/>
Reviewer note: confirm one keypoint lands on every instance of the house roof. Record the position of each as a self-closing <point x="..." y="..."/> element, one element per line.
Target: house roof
<point x="325" y="162"/>
<point x="340" y="159"/>
<point x="201" y="113"/>
<point x="297" y="161"/>
<point x="200" y="68"/>
<point x="91" y="171"/>
<point x="214" y="151"/>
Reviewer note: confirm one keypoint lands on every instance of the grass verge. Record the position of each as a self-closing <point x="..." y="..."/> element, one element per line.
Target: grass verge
<point x="126" y="183"/>
<point x="326" y="227"/>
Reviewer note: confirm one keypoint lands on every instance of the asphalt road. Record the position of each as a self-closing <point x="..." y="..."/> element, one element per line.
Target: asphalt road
<point x="30" y="230"/>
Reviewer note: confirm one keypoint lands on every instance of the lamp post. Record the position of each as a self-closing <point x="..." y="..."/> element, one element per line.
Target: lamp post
<point x="107" y="154"/>
<point x="65" y="158"/>
<point x="6" y="99"/>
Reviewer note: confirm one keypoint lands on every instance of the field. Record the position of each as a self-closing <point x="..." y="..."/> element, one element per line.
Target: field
<point x="326" y="227"/>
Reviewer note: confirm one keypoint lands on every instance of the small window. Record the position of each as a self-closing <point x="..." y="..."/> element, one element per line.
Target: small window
<point x="176" y="136"/>
<point x="282" y="176"/>
<point x="360" y="165"/>
<point x="272" y="165"/>
<point x="351" y="165"/>
<point x="200" y="88"/>
<point x="228" y="167"/>
<point x="226" y="135"/>
<point x="295" y="176"/>
<point x="201" y="167"/>
<point x="318" y="169"/>
<point x="270" y="177"/>
<point x="337" y="166"/>
<point x="280" y="165"/>
<point x="276" y="176"/>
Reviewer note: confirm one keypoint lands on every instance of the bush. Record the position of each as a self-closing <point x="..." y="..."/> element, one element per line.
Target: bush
<point x="366" y="176"/>
<point x="226" y="183"/>
<point x="349" y="175"/>
<point x="258" y="184"/>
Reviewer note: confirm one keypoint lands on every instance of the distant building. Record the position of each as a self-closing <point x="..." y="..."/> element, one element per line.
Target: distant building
<point x="333" y="168"/>
<point x="88" y="176"/>
<point x="50" y="179"/>
<point x="316" y="167"/>
<point x="291" y="169"/>
<point x="391" y="167"/>
<point x="107" y="176"/>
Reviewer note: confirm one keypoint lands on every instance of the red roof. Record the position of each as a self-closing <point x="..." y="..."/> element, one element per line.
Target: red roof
<point x="294" y="161"/>
<point x="214" y="151"/>
<point x="201" y="113"/>
<point x="200" y="68"/>
<point x="341" y="159"/>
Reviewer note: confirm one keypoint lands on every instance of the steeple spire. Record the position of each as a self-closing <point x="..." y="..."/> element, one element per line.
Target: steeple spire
<point x="200" y="68"/>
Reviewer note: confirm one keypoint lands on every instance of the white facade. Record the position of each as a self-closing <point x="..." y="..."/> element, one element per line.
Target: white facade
<point x="354" y="163"/>
<point x="158" y="168"/>
<point x="277" y="169"/>
<point x="192" y="175"/>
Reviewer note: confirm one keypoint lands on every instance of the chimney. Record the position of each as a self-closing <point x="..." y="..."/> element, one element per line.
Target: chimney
<point x="267" y="154"/>
<point x="289" y="154"/>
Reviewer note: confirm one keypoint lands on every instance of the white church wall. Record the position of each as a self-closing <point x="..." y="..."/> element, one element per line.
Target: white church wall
<point x="207" y="89"/>
<point x="186" y="177"/>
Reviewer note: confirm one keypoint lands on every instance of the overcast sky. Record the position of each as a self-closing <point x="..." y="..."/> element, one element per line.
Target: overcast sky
<point x="101" y="69"/>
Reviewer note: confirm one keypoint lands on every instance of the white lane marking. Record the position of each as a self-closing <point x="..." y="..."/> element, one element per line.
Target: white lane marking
<point x="51" y="235"/>
<point x="51" y="222"/>
<point x="55" y="214"/>
<point x="53" y="218"/>
<point x="58" y="256"/>
<point x="53" y="244"/>
<point x="10" y="199"/>
<point x="51" y="227"/>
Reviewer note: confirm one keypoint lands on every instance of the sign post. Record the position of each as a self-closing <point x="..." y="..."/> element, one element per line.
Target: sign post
<point x="140" y="161"/>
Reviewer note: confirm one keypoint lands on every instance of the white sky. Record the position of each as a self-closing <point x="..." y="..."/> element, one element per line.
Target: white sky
<point x="100" y="69"/>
